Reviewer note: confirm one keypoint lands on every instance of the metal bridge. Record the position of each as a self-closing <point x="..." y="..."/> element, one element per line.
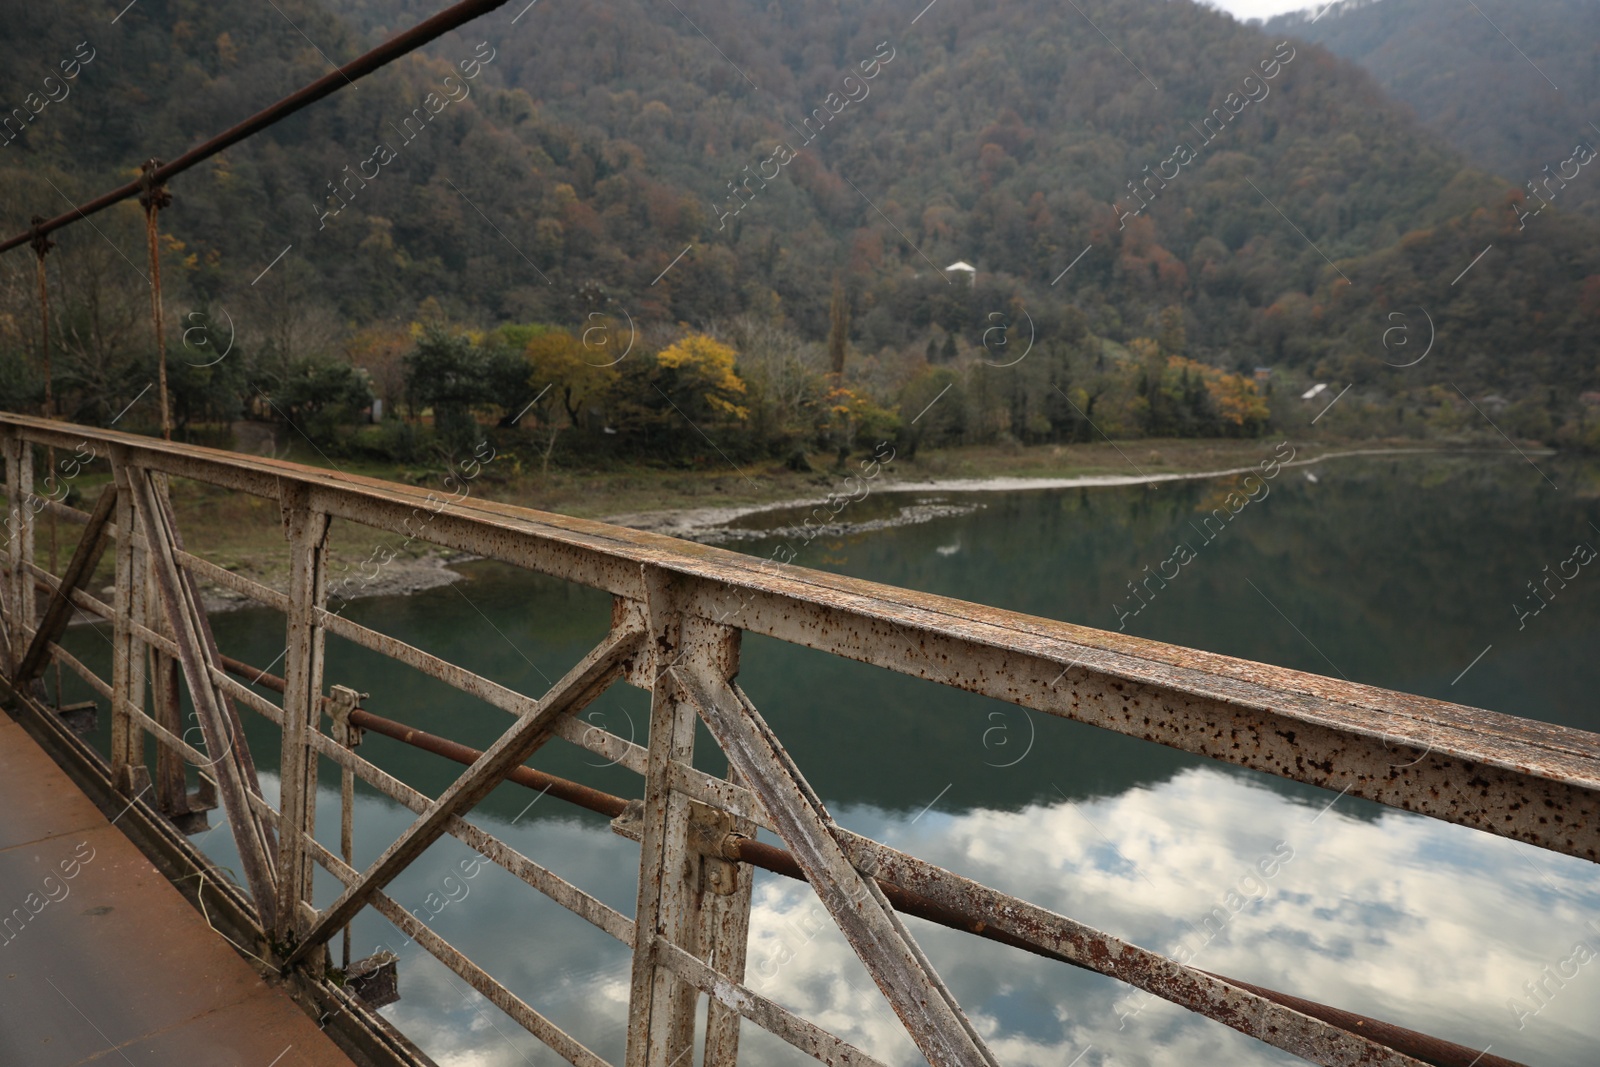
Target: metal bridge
<point x="679" y="611"/>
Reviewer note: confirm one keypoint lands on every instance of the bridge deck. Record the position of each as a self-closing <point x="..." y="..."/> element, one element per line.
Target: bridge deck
<point x="102" y="961"/>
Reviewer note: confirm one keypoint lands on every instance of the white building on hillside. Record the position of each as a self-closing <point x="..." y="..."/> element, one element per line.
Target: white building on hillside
<point x="962" y="267"/>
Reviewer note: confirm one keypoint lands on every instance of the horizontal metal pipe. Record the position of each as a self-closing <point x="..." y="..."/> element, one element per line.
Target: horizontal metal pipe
<point x="560" y="788"/>
<point x="1424" y="1047"/>
<point x="420" y="34"/>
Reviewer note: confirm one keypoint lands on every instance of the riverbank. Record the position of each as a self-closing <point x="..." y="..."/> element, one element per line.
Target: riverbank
<point x="715" y="524"/>
<point x="242" y="533"/>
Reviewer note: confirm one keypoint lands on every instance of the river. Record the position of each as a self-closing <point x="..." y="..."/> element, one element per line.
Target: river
<point x="1406" y="572"/>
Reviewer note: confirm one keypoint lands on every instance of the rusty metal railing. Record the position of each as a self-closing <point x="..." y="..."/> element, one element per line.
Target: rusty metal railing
<point x="679" y="610"/>
<point x="453" y="17"/>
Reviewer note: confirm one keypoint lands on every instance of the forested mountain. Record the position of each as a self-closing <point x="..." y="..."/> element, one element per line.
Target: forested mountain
<point x="1512" y="85"/>
<point x="1219" y="194"/>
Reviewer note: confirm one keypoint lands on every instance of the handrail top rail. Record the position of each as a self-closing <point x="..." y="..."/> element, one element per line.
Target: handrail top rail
<point x="811" y="608"/>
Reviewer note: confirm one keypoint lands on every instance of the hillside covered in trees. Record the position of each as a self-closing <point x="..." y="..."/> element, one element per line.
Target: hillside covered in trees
<point x="728" y="225"/>
<point x="1512" y="86"/>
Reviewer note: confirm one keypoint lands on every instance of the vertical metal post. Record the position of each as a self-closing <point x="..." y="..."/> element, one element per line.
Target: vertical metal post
<point x="345" y="700"/>
<point x="857" y="903"/>
<point x="19" y="529"/>
<point x="172" y="791"/>
<point x="660" y="1005"/>
<point x="10" y="619"/>
<point x="172" y="782"/>
<point x="307" y="531"/>
<point x="127" y="651"/>
<point x="725" y="939"/>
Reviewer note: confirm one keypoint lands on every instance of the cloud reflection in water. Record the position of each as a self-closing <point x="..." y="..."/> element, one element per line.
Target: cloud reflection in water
<point x="1380" y="912"/>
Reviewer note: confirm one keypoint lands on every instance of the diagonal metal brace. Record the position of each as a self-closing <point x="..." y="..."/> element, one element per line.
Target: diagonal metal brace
<point x="919" y="997"/>
<point x="570" y="694"/>
<point x="218" y="720"/>
<point x="84" y="560"/>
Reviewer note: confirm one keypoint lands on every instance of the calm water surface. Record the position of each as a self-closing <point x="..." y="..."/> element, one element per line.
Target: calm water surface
<point x="1411" y="574"/>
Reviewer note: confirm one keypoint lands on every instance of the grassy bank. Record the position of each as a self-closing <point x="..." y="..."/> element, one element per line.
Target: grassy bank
<point x="244" y="533"/>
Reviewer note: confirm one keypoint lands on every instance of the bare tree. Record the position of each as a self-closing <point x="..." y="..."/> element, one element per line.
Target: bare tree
<point x="838" y="328"/>
<point x="784" y="374"/>
<point x="100" y="317"/>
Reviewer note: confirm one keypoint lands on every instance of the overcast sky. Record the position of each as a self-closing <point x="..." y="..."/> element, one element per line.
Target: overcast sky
<point x="1260" y="9"/>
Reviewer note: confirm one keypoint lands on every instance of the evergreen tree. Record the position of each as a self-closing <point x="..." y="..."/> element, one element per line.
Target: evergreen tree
<point x="838" y="327"/>
<point x="1171" y="336"/>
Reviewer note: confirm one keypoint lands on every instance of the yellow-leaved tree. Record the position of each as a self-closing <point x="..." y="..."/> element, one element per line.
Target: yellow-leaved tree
<point x="566" y="380"/>
<point x="853" y="420"/>
<point x="700" y="379"/>
<point x="1236" y="400"/>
